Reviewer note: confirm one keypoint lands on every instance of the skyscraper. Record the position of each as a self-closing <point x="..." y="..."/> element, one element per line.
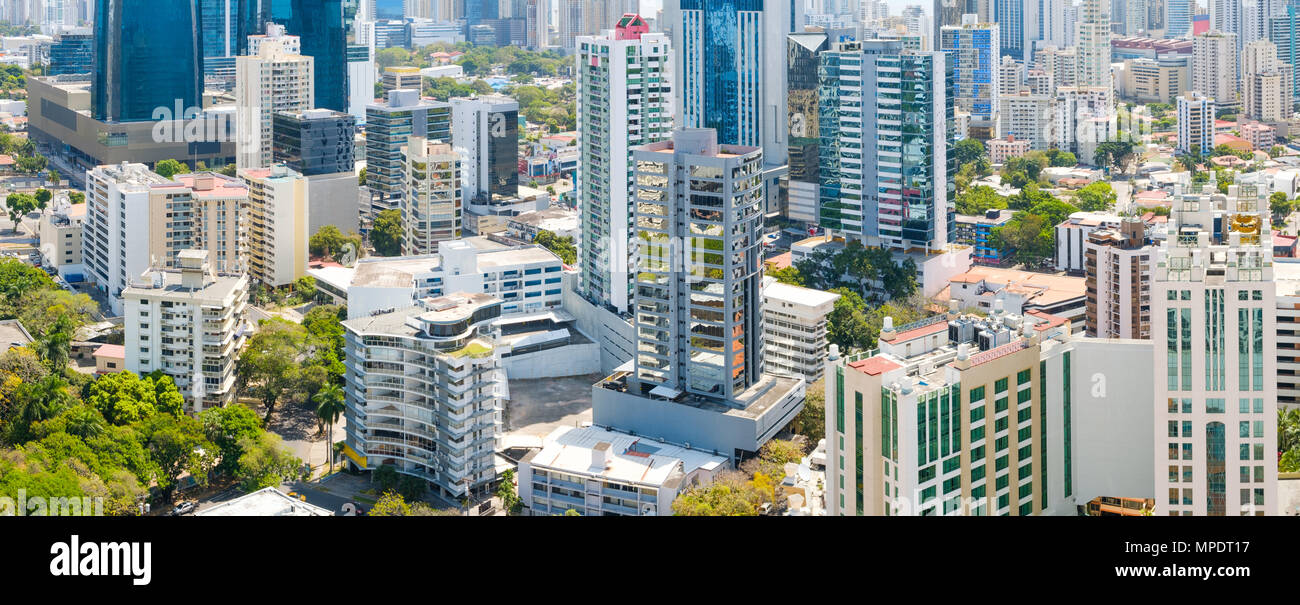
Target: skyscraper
<point x="886" y="125"/>
<point x="431" y="205"/>
<point x="730" y="70"/>
<point x="485" y="131"/>
<point x="319" y="24"/>
<point x="803" y="56"/>
<point x="1093" y="62"/>
<point x="147" y="58"/>
<point x="1178" y="18"/>
<point x="1214" y="330"/>
<point x="624" y="100"/>
<point x="275" y="79"/>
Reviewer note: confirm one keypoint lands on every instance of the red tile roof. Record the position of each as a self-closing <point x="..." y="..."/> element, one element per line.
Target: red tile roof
<point x="874" y="366"/>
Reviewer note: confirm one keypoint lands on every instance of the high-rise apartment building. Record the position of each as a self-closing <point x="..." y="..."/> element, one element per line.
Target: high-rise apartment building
<point x="1117" y="268"/>
<point x="1059" y="64"/>
<point x="886" y="125"/>
<point x="972" y="49"/>
<point x="624" y="100"/>
<point x="1216" y="344"/>
<point x="1215" y="68"/>
<point x="361" y="79"/>
<point x="274" y="80"/>
<point x="1028" y="117"/>
<point x="388" y="128"/>
<point x="1284" y="31"/>
<point x="1266" y="83"/>
<point x="278" y="219"/>
<point x="431" y="205"/>
<point x="485" y="131"/>
<point x="1093" y="45"/>
<point x="424" y="392"/>
<point x="1011" y="75"/>
<point x="1195" y="123"/>
<point x="794" y="329"/>
<point x="133" y="79"/>
<point x="188" y="323"/>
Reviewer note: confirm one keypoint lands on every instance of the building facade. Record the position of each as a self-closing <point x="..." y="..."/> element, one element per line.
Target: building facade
<point x="1117" y="267"/>
<point x="278" y="219"/>
<point x="272" y="81"/>
<point x="431" y="206"/>
<point x="485" y="131"/>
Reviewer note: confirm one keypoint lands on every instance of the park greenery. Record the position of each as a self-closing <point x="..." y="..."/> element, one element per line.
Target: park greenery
<point x="330" y="243"/>
<point x="289" y="363"/>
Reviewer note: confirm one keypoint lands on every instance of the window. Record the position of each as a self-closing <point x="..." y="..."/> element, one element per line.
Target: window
<point x="1000" y="386"/>
<point x="1022" y="377"/>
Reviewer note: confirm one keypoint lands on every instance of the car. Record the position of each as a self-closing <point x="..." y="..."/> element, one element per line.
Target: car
<point x="184" y="508"/>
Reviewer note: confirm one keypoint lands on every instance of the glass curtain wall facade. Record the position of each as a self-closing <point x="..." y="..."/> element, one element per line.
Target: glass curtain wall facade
<point x="146" y="57"/>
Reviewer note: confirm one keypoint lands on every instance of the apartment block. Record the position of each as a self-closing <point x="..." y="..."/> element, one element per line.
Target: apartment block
<point x="1195" y="122"/>
<point x="485" y="130"/>
<point x="1117" y="269"/>
<point x="278" y="218"/>
<point x="624" y="100"/>
<point x="189" y="323"/>
<point x="273" y="78"/>
<point x="389" y="126"/>
<point x="431" y="206"/>
<point x="424" y="392"/>
<point x="59" y="231"/>
<point x="1215" y="68"/>
<point x="972" y="49"/>
<point x="794" y="329"/>
<point x="1028" y="117"/>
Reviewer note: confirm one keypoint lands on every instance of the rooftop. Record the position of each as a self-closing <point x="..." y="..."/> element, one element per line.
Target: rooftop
<point x="13" y="334"/>
<point x="266" y="502"/>
<point x="627" y="459"/>
<point x="798" y="295"/>
<point x="1050" y="288"/>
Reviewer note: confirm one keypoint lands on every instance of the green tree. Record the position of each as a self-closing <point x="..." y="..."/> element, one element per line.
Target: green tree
<point x="788" y="275"/>
<point x="38" y="401"/>
<point x="385" y="478"/>
<point x="178" y="446"/>
<point x="386" y="235"/>
<point x="1279" y="205"/>
<point x="170" y="168"/>
<point x="272" y="361"/>
<point x="55" y="344"/>
<point x="730" y="494"/>
<point x="563" y="247"/>
<point x="227" y="427"/>
<point x="968" y="151"/>
<point x="1027" y="235"/>
<point x="1096" y="197"/>
<point x="265" y="462"/>
<point x="1062" y="158"/>
<point x="846" y="325"/>
<point x="19" y="205"/>
<point x="507" y="492"/>
<point x="361" y="177"/>
<point x="327" y="242"/>
<point x="391" y="504"/>
<point x="811" y="420"/>
<point x="126" y="398"/>
<point x="977" y="199"/>
<point x="329" y="406"/>
<point x="76" y="197"/>
<point x="43" y="197"/>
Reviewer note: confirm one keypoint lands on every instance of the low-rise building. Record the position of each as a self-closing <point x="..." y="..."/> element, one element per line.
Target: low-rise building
<point x="596" y="471"/>
<point x="60" y="235"/>
<point x="977" y="232"/>
<point x="1001" y="150"/>
<point x="1260" y="136"/>
<point x="190" y="324"/>
<point x="559" y="220"/>
<point x="424" y="392"/>
<point x="794" y="329"/>
<point x="266" y="502"/>
<point x="992" y="289"/>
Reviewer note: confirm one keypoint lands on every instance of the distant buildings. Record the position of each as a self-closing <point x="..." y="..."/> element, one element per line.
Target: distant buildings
<point x="1001" y="150"/>
<point x="972" y="49"/>
<point x="189" y="324"/>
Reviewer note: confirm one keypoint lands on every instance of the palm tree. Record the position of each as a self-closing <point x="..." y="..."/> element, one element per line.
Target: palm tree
<point x="329" y="406"/>
<point x="44" y="399"/>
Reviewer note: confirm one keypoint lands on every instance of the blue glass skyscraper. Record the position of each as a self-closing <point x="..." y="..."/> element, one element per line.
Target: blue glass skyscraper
<point x="389" y="9"/>
<point x="319" y="25"/>
<point x="147" y="57"/>
<point x="72" y="54"/>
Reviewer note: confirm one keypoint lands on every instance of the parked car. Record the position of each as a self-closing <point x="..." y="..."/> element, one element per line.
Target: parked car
<point x="184" y="508"/>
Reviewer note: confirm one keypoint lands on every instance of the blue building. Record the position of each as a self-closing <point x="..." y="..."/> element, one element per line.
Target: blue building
<point x="1010" y="17"/>
<point x="973" y="52"/>
<point x="319" y="25"/>
<point x="146" y="58"/>
<point x="1284" y="31"/>
<point x="72" y="54"/>
<point x="977" y="232"/>
<point x="1178" y="18"/>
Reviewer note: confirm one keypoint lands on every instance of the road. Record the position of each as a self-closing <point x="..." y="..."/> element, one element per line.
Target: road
<point x="1123" y="196"/>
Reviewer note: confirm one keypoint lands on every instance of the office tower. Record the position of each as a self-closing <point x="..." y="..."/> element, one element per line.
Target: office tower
<point x="133" y="79"/>
<point x="803" y="56"/>
<point x="886" y="127"/>
<point x="400" y="76"/>
<point x="1284" y="31"/>
<point x="1214" y="68"/>
<point x="278" y="224"/>
<point x="72" y="54"/>
<point x="730" y="70"/>
<point x="273" y="80"/>
<point x="188" y="323"/>
<point x="315" y="141"/>
<point x="388" y="126"/>
<point x="972" y="49"/>
<point x="319" y="24"/>
<point x="1028" y="117"/>
<point x="1216" y="341"/>
<point x="135" y="218"/>
<point x="485" y="131"/>
<point x="1267" y="84"/>
<point x="925" y="424"/>
<point x="794" y="329"/>
<point x="1093" y="63"/>
<point x="624" y="100"/>
<point x="538" y="24"/>
<point x="1017" y="21"/>
<point x="392" y="9"/>
<point x="1195" y="123"/>
<point x="1178" y="18"/>
<point x="1117" y="268"/>
<point x="431" y="206"/>
<point x="222" y="35"/>
<point x="443" y="433"/>
<point x="1225" y="16"/>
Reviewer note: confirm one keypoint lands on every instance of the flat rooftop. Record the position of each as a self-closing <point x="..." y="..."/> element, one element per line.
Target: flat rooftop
<point x="266" y="502"/>
<point x="13" y="334"/>
<point x="627" y="459"/>
<point x="798" y="295"/>
<point x="392" y="273"/>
